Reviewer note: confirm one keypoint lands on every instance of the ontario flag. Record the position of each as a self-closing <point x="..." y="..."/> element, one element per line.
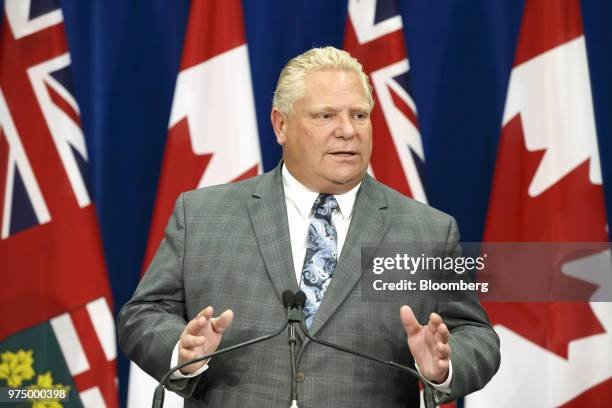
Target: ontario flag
<point x="57" y="326"/>
<point x="212" y="135"/>
<point x="547" y="187"/>
<point x="374" y="35"/>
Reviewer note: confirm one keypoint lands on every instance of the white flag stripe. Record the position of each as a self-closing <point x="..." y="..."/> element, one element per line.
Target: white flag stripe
<point x="596" y="269"/>
<point x="69" y="342"/>
<point x="202" y="95"/>
<point x="363" y="14"/>
<point x="92" y="398"/>
<point x="539" y="372"/>
<point x="5" y="206"/>
<point x="552" y="93"/>
<point x="406" y="137"/>
<point x="18" y="158"/>
<point x="104" y="324"/>
<point x="141" y="387"/>
<point x="65" y="132"/>
<point x="18" y="16"/>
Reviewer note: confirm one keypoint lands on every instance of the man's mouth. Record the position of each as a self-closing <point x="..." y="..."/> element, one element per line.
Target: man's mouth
<point x="343" y="153"/>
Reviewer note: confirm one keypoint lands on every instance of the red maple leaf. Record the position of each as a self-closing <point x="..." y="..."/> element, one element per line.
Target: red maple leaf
<point x="572" y="210"/>
<point x="181" y="171"/>
<point x="595" y="397"/>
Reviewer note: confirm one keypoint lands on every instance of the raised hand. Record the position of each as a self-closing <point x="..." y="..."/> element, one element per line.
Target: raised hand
<point x="202" y="336"/>
<point x="428" y="344"/>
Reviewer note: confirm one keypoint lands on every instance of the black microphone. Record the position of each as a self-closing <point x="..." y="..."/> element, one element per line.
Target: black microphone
<point x="288" y="299"/>
<point x="299" y="301"/>
<point x="158" y="396"/>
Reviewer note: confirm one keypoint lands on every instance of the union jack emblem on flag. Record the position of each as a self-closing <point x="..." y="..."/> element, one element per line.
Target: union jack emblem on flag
<point x="374" y="35"/>
<point x="45" y="72"/>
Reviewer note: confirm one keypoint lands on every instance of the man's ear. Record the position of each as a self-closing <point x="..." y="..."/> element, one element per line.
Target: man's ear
<point x="279" y="124"/>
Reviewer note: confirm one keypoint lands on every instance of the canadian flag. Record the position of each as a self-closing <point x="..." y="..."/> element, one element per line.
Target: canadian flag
<point x="212" y="135"/>
<point x="547" y="187"/>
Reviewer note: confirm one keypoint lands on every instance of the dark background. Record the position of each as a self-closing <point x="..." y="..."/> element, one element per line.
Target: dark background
<point x="125" y="59"/>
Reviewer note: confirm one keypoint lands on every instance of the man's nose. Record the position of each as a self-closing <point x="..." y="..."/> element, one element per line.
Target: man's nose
<point x="346" y="128"/>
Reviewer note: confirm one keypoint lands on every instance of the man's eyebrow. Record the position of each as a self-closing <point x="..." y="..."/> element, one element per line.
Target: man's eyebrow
<point x="335" y="109"/>
<point x="324" y="108"/>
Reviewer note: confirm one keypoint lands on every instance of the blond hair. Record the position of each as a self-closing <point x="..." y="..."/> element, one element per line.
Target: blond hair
<point x="290" y="85"/>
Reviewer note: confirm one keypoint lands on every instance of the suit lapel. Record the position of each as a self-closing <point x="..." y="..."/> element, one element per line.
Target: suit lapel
<point x="368" y="225"/>
<point x="268" y="214"/>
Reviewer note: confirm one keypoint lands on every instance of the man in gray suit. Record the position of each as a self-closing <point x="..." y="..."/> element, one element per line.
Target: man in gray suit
<point x="302" y="225"/>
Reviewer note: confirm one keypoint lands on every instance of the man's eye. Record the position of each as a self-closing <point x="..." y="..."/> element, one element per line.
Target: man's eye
<point x="325" y="116"/>
<point x="360" y="115"/>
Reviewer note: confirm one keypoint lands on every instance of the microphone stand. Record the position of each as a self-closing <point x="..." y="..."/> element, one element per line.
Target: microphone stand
<point x="293" y="317"/>
<point x="414" y="373"/>
<point x="292" y="341"/>
<point x="158" y="396"/>
<point x="401" y="367"/>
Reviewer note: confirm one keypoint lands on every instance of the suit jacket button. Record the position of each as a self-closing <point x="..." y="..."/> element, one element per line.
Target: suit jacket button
<point x="300" y="377"/>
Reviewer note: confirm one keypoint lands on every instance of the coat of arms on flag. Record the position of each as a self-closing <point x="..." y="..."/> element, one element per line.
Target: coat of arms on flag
<point x="70" y="350"/>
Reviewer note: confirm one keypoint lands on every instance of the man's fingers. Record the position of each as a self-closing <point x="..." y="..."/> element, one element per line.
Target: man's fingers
<point x="434" y="322"/>
<point x="207" y="312"/>
<point x="186" y="354"/>
<point x="443" y="364"/>
<point x="190" y="341"/>
<point x="411" y="325"/>
<point x="221" y="323"/>
<point x="196" y="325"/>
<point x="199" y="322"/>
<point x="443" y="334"/>
<point x="443" y="350"/>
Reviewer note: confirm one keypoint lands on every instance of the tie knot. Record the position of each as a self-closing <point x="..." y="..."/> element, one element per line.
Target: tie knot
<point x="324" y="205"/>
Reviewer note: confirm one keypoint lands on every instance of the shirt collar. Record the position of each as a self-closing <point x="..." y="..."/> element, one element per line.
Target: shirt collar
<point x="303" y="198"/>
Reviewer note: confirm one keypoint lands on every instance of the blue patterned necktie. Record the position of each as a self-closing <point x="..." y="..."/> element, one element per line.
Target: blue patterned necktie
<point x="321" y="255"/>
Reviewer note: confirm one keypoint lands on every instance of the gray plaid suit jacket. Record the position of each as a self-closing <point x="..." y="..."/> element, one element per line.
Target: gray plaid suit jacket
<point x="228" y="246"/>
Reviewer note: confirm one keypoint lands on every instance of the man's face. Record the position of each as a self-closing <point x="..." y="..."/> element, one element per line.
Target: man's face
<point x="327" y="137"/>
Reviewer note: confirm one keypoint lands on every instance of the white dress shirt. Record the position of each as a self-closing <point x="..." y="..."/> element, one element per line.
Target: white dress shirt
<point x="299" y="201"/>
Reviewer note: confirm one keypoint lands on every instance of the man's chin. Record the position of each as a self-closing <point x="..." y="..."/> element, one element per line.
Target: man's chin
<point x="343" y="183"/>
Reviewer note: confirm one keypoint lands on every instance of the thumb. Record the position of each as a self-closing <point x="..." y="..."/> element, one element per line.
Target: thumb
<point x="411" y="325"/>
<point x="223" y="322"/>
